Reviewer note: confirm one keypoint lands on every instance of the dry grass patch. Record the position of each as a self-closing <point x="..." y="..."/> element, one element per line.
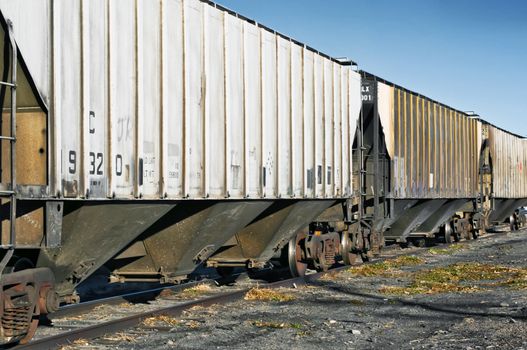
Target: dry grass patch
<point x="434" y="288"/>
<point x="451" y="249"/>
<point x="387" y="268"/>
<point x="461" y="278"/>
<point x="192" y="324"/>
<point x="516" y="281"/>
<point x="264" y="294"/>
<point x="75" y="344"/>
<point x="196" y="291"/>
<point x="276" y="325"/>
<point x="331" y="276"/>
<point x="161" y="320"/>
<point x="120" y="337"/>
<point x="470" y="271"/>
<point x="406" y="260"/>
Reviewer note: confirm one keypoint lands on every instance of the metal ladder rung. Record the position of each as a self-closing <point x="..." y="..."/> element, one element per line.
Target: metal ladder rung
<point x="5" y="83"/>
<point x="12" y="140"/>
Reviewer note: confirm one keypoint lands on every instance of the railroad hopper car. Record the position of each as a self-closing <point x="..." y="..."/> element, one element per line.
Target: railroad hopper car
<point x="155" y="136"/>
<point x="504" y="183"/>
<point x="163" y="134"/>
<point x="427" y="172"/>
<point x="433" y="171"/>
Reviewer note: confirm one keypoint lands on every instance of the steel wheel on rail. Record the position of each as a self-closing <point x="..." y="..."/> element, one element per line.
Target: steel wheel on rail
<point x="296" y="255"/>
<point x="450" y="235"/>
<point x="33" y="325"/>
<point x="346" y="246"/>
<point x="513" y="223"/>
<point x="18" y="264"/>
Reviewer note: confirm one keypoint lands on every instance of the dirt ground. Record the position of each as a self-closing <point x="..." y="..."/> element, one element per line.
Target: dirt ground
<point x="467" y="296"/>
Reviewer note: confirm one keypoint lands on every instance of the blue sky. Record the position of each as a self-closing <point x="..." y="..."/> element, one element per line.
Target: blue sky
<point x="469" y="54"/>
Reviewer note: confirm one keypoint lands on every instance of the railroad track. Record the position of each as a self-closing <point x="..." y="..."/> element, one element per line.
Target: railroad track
<point x="116" y="325"/>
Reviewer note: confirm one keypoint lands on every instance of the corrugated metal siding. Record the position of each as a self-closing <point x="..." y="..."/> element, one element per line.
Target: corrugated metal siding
<point x="180" y="99"/>
<point x="509" y="159"/>
<point x="434" y="149"/>
<point x="31" y="20"/>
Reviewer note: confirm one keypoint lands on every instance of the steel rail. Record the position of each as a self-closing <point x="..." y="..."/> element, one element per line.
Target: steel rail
<point x="149" y="294"/>
<point x="139" y="296"/>
<point x="99" y="330"/>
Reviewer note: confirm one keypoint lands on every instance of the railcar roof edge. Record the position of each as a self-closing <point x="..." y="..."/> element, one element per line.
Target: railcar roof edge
<point x="475" y="116"/>
<point x="286" y="37"/>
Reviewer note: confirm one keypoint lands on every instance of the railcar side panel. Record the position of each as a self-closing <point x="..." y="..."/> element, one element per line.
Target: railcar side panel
<point x="172" y="99"/>
<point x="123" y="97"/>
<point x="68" y="94"/>
<point x="253" y="109"/>
<point x="95" y="99"/>
<point x="319" y="139"/>
<point x="284" y="94"/>
<point x="336" y="130"/>
<point x="269" y="114"/>
<point x="431" y="146"/>
<point x="234" y="103"/>
<point x="345" y="133"/>
<point x="218" y="48"/>
<point x="297" y="131"/>
<point x="328" y="112"/>
<point x="182" y="99"/>
<point x="194" y="95"/>
<point x="149" y="99"/>
<point x="309" y="123"/>
<point x="508" y="153"/>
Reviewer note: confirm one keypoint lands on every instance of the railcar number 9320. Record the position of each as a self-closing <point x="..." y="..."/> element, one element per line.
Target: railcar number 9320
<point x="96" y="160"/>
<point x="96" y="163"/>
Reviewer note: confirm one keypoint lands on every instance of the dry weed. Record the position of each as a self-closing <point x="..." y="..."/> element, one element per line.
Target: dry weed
<point x="195" y="291"/>
<point x="161" y="320"/>
<point x="387" y="268"/>
<point x="120" y="337"/>
<point x="451" y="249"/>
<point x="75" y="344"/>
<point x="467" y="277"/>
<point x="192" y="324"/>
<point x="264" y="294"/>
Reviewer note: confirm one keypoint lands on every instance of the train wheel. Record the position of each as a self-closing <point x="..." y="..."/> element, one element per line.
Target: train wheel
<point x="33" y="325"/>
<point x="513" y="223"/>
<point x="450" y="235"/>
<point x="25" y="296"/>
<point x="346" y="246"/>
<point x="296" y="255"/>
